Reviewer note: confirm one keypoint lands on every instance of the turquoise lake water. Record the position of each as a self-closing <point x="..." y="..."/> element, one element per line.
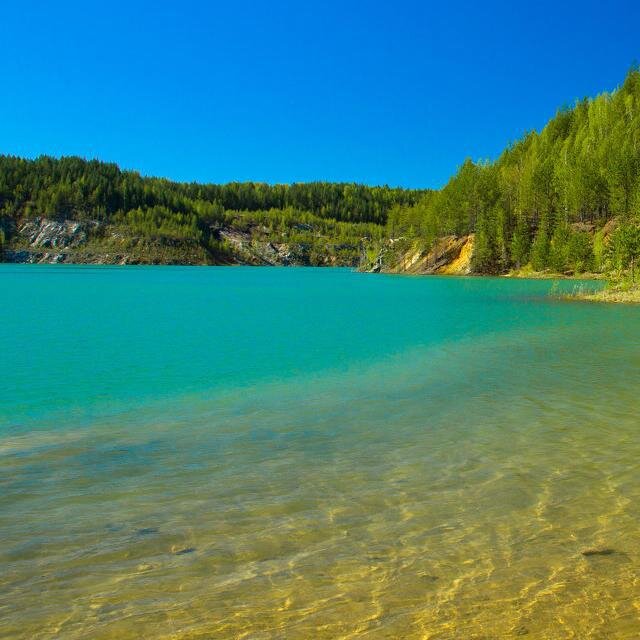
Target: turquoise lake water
<point x="296" y="453"/>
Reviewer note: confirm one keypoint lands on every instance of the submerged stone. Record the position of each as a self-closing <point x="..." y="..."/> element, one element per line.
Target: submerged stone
<point x="183" y="551"/>
<point x="605" y="551"/>
<point x="428" y="577"/>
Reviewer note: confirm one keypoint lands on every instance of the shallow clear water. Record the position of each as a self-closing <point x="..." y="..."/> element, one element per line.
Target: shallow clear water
<point x="306" y="453"/>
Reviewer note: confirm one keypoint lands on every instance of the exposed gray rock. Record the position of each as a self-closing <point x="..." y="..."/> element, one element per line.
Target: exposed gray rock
<point x="34" y="257"/>
<point x="54" y="234"/>
<point x="44" y="240"/>
<point x="249" y="250"/>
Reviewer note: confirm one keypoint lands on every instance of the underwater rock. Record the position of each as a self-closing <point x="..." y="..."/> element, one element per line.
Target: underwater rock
<point x="605" y="551"/>
<point x="182" y="551"/>
<point x="427" y="577"/>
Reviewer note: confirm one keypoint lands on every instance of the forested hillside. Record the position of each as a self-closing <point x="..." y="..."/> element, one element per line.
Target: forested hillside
<point x="565" y="199"/>
<point x="153" y="220"/>
<point x="548" y="198"/>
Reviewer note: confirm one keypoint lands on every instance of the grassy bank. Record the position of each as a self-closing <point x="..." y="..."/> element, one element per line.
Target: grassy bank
<point x="624" y="293"/>
<point x="529" y="273"/>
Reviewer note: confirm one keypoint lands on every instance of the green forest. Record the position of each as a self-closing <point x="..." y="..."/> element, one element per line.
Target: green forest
<point x="323" y="216"/>
<point x="565" y="200"/>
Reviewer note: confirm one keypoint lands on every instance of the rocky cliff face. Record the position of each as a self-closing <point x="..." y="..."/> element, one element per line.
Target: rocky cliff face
<point x="53" y="234"/>
<point x="42" y="240"/>
<point x="252" y="250"/>
<point x="451" y="255"/>
<point x="262" y="247"/>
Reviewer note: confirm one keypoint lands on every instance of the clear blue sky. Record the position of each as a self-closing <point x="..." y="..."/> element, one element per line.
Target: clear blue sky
<point x="395" y="92"/>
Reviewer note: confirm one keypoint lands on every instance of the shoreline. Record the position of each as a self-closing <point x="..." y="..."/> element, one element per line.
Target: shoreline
<point x="550" y="275"/>
<point x="610" y="296"/>
<point x="606" y="295"/>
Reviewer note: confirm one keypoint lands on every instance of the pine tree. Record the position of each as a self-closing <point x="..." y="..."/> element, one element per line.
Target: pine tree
<point x="540" y="249"/>
<point x="520" y="244"/>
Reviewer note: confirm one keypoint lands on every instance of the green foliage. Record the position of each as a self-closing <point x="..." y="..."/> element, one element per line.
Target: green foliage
<point x="580" y="254"/>
<point x="490" y="249"/>
<point x="520" y="244"/>
<point x="599" y="249"/>
<point x="623" y="249"/>
<point x="80" y="189"/>
<point x="540" y="249"/>
<point x="558" y="258"/>
<point x="160" y="222"/>
<point x="330" y="222"/>
<point x="570" y="251"/>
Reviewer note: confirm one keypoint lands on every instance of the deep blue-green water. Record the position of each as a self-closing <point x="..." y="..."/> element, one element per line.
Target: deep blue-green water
<point x="295" y="453"/>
